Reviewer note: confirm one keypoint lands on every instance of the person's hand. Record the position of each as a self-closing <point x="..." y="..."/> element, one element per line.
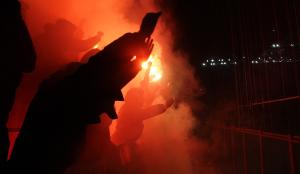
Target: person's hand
<point x="169" y="102"/>
<point x="119" y="62"/>
<point x="146" y="49"/>
<point x="134" y="51"/>
<point x="142" y="51"/>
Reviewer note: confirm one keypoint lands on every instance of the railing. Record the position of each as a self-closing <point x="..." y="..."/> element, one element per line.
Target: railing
<point x="290" y="139"/>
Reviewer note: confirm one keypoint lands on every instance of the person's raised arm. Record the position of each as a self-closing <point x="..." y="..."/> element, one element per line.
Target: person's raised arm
<point x="83" y="45"/>
<point x="157" y="109"/>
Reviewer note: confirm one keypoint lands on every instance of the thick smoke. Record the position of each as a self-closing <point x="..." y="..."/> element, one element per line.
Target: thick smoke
<point x="167" y="144"/>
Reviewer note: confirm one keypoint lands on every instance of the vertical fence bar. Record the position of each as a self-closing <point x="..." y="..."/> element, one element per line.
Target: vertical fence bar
<point x="245" y="162"/>
<point x="261" y="153"/>
<point x="233" y="151"/>
<point x="291" y="140"/>
<point x="291" y="154"/>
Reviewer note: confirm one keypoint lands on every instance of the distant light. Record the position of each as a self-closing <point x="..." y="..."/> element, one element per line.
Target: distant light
<point x="277" y="45"/>
<point x="274" y="45"/>
<point x="203" y="64"/>
<point x="212" y="60"/>
<point x="292" y="45"/>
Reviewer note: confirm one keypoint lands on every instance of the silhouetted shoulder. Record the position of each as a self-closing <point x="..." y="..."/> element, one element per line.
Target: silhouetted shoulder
<point x="61" y="74"/>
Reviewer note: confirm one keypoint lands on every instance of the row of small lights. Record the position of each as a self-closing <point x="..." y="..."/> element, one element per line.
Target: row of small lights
<point x="214" y="61"/>
<point x="217" y="61"/>
<point x="270" y="59"/>
<point x="277" y="45"/>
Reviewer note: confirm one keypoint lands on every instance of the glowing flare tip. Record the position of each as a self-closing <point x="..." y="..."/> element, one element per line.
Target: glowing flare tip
<point x="96" y="46"/>
<point x="155" y="73"/>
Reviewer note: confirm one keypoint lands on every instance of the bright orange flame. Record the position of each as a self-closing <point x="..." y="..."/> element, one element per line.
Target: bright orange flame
<point x="96" y="46"/>
<point x="155" y="73"/>
<point x="145" y="65"/>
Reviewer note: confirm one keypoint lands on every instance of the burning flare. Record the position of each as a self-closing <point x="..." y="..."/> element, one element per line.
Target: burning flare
<point x="155" y="73"/>
<point x="96" y="46"/>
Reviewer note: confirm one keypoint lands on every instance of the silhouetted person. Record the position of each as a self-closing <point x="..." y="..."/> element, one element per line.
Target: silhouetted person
<point x="100" y="155"/>
<point x="130" y="123"/>
<point x="54" y="128"/>
<point x="17" y="57"/>
<point x="59" y="44"/>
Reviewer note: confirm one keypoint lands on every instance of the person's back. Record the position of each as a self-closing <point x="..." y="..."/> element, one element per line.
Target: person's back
<point x="54" y="129"/>
<point x="132" y="114"/>
<point x="129" y="126"/>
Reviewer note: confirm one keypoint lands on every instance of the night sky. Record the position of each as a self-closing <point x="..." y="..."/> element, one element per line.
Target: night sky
<point x="233" y="28"/>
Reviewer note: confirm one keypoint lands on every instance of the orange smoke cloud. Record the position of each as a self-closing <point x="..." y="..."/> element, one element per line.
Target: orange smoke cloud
<point x="164" y="145"/>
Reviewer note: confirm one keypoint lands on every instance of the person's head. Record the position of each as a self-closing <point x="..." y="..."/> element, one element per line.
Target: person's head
<point x="62" y="29"/>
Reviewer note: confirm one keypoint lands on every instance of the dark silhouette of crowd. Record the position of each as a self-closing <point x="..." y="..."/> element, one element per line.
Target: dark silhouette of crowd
<point x="58" y="54"/>
<point x="59" y="44"/>
<point x="70" y="96"/>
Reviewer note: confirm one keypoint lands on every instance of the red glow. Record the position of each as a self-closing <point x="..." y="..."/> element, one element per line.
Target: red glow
<point x="92" y="16"/>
